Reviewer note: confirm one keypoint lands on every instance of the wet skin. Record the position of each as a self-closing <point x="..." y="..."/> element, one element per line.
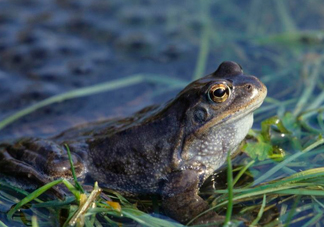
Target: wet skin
<point x="167" y="150"/>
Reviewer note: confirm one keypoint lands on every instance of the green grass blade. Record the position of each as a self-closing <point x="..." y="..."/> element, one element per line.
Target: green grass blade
<point x="17" y="190"/>
<point x="252" y="194"/>
<point x="71" y="188"/>
<point x="292" y="212"/>
<point x="301" y="192"/>
<point x="230" y="191"/>
<point x="260" y="213"/>
<point x="147" y="220"/>
<point x="34" y="221"/>
<point x="242" y="171"/>
<point x="136" y="215"/>
<point x="108" y="86"/>
<point x="296" y="180"/>
<point x="316" y="103"/>
<point x="203" y="54"/>
<point x="77" y="185"/>
<point x="311" y="84"/>
<point x="313" y="220"/>
<point x="91" y="90"/>
<point x="277" y="167"/>
<point x="291" y="181"/>
<point x="56" y="203"/>
<point x="32" y="196"/>
<point x="318" y="202"/>
<point x="313" y="145"/>
<point x="204" y="45"/>
<point x="284" y="14"/>
<point x="2" y="224"/>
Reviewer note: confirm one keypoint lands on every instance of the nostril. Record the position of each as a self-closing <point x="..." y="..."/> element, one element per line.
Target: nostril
<point x="248" y="87"/>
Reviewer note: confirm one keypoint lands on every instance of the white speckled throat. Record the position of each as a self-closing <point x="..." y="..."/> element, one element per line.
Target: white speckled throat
<point x="210" y="149"/>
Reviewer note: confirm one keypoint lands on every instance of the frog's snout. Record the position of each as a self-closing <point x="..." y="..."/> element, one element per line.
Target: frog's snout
<point x="257" y="88"/>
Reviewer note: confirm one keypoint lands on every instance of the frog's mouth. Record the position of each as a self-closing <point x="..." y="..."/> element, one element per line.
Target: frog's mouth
<point x="240" y="114"/>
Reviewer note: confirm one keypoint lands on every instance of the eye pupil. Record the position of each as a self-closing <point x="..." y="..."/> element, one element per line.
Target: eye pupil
<point x="220" y="92"/>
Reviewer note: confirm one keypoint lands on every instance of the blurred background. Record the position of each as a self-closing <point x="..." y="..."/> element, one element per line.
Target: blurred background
<point x="141" y="52"/>
<point x="52" y="47"/>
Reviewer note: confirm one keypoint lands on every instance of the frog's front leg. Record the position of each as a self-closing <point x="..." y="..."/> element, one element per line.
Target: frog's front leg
<point x="17" y="168"/>
<point x="181" y="201"/>
<point x="37" y="159"/>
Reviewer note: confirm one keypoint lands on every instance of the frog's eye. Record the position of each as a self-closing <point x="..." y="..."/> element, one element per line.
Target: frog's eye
<point x="219" y="92"/>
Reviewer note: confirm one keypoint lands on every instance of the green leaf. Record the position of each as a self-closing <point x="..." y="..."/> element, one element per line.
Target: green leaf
<point x="77" y="185"/>
<point x="260" y="150"/>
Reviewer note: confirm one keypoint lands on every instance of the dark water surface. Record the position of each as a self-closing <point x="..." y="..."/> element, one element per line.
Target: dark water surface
<point x="51" y="47"/>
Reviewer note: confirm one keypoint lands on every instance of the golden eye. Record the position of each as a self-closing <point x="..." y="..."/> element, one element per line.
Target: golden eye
<point x="219" y="92"/>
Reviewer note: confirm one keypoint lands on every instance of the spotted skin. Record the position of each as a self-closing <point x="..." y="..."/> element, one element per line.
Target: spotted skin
<point x="168" y="150"/>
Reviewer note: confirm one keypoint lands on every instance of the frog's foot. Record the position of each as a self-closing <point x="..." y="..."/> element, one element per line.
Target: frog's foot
<point x="18" y="169"/>
<point x="181" y="201"/>
<point x="11" y="166"/>
<point x="186" y="207"/>
<point x="37" y="159"/>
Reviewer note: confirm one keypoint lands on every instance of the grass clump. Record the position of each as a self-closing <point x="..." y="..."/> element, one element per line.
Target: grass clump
<point x="289" y="177"/>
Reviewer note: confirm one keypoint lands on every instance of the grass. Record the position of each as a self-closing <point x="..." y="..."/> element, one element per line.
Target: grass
<point x="83" y="208"/>
<point x="282" y="172"/>
<point x="230" y="184"/>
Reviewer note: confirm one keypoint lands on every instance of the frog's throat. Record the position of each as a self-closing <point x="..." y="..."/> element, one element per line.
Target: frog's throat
<point x="209" y="150"/>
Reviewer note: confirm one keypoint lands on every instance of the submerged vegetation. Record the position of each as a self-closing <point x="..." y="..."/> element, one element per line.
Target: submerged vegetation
<point x="279" y="179"/>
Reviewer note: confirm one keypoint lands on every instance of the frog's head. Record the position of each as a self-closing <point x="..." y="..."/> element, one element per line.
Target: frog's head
<point x="218" y="114"/>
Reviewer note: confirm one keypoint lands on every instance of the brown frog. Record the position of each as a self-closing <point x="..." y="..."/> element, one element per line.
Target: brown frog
<point x="167" y="150"/>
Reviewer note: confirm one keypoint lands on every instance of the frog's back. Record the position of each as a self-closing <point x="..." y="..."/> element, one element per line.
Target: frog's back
<point x="131" y="155"/>
<point x="136" y="158"/>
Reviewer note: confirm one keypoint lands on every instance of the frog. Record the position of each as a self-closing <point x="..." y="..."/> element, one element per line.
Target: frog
<point x="167" y="150"/>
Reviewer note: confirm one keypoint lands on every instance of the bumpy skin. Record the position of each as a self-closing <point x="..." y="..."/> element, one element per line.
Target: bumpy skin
<point x="167" y="150"/>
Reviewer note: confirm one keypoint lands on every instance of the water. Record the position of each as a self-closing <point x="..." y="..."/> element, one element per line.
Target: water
<point x="51" y="47"/>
